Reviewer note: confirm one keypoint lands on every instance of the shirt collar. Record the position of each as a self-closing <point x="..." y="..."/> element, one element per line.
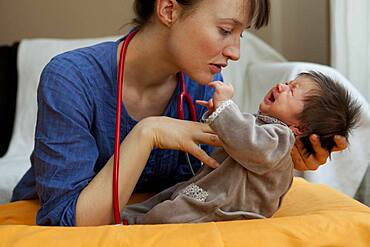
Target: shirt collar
<point x="267" y="119"/>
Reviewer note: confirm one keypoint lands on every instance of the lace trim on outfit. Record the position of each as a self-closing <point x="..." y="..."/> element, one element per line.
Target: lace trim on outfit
<point x="195" y="192"/>
<point x="264" y="118"/>
<point x="268" y="119"/>
<point x="218" y="111"/>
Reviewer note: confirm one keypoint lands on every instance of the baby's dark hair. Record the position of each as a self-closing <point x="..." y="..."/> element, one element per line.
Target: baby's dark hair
<point x="144" y="9"/>
<point x="329" y="110"/>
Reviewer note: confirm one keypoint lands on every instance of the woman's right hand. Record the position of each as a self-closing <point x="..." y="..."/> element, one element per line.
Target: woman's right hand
<point x="170" y="133"/>
<point x="314" y="161"/>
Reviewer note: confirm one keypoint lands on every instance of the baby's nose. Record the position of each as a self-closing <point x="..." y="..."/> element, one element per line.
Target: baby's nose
<point x="281" y="87"/>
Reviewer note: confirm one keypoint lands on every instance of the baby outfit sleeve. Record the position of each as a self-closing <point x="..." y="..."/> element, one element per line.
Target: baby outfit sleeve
<point x="258" y="148"/>
<point x="65" y="151"/>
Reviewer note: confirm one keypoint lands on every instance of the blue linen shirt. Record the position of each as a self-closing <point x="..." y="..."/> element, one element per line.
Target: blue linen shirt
<point x="75" y="133"/>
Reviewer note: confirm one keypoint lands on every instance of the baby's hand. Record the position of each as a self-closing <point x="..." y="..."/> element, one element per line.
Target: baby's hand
<point x="209" y="104"/>
<point x="223" y="91"/>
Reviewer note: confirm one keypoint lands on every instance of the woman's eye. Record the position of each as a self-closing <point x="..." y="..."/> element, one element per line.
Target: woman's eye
<point x="224" y="31"/>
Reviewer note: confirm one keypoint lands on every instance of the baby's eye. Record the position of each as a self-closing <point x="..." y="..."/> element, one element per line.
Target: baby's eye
<point x="291" y="88"/>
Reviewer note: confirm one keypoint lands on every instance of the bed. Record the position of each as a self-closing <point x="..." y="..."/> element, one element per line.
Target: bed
<point x="311" y="213"/>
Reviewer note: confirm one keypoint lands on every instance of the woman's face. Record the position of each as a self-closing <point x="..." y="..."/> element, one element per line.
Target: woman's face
<point x="202" y="42"/>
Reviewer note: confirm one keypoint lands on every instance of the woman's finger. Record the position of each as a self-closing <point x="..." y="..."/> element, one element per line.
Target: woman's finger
<point x="205" y="128"/>
<point x="297" y="160"/>
<point x="340" y="142"/>
<point x="209" y="139"/>
<point x="310" y="162"/>
<point x="201" y="155"/>
<point x="321" y="154"/>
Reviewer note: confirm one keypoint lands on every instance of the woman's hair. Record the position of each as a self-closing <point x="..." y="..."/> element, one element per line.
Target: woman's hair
<point x="144" y="9"/>
<point x="329" y="110"/>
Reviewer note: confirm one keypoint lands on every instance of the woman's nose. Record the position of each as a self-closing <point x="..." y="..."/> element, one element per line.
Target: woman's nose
<point x="233" y="51"/>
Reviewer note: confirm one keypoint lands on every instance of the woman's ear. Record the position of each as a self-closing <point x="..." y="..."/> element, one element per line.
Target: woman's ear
<point x="168" y="11"/>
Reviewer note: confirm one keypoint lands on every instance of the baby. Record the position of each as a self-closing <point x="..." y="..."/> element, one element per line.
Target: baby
<point x="256" y="168"/>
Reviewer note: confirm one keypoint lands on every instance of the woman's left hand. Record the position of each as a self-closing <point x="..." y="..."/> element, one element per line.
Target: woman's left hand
<point x="170" y="133"/>
<point x="312" y="162"/>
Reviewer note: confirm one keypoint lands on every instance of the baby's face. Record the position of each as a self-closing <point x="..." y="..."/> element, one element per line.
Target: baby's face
<point x="286" y="100"/>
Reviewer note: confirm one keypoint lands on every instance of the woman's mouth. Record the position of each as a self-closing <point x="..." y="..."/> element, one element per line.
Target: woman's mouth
<point x="215" y="68"/>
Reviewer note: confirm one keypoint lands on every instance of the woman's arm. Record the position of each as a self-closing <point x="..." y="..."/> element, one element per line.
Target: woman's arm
<point x="94" y="205"/>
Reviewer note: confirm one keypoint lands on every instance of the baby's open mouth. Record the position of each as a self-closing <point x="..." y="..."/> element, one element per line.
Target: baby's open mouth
<point x="271" y="98"/>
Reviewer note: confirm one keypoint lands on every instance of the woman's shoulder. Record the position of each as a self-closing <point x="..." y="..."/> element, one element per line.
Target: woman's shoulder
<point x="84" y="67"/>
<point x="84" y="58"/>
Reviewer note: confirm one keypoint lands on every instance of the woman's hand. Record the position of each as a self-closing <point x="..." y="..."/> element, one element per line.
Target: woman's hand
<point x="312" y="162"/>
<point x="95" y="201"/>
<point x="170" y="133"/>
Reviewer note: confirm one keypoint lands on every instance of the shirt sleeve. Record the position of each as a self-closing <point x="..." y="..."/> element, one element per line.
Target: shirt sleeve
<point x="65" y="151"/>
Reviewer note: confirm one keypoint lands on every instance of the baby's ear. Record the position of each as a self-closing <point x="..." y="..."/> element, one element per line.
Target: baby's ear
<point x="296" y="130"/>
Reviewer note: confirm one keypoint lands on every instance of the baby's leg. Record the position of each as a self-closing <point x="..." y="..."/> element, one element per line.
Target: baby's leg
<point x="132" y="211"/>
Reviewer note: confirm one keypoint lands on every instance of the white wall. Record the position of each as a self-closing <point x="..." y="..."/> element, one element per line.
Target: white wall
<point x="299" y="28"/>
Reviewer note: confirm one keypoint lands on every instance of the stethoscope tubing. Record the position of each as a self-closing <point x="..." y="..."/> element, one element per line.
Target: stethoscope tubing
<point x="183" y="97"/>
<point x="121" y="70"/>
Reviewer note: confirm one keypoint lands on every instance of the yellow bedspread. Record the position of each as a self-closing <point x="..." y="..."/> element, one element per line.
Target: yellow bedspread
<point x="311" y="214"/>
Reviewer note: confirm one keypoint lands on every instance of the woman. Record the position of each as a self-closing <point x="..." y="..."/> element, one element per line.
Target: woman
<point x="72" y="160"/>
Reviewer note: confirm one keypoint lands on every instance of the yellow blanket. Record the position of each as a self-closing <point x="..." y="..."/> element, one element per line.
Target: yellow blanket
<point x="312" y="215"/>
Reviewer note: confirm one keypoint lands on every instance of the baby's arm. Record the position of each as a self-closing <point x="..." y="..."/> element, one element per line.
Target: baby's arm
<point x="223" y="92"/>
<point x="257" y="147"/>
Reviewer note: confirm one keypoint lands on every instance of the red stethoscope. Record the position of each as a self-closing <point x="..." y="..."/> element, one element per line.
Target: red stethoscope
<point x="183" y="96"/>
